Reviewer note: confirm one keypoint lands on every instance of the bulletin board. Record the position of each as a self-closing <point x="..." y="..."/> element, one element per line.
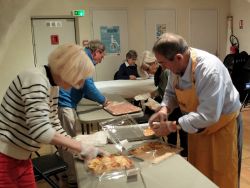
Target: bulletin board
<point x="157" y="23"/>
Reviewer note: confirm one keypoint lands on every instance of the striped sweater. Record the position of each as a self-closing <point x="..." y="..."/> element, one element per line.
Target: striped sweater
<point x="28" y="113"/>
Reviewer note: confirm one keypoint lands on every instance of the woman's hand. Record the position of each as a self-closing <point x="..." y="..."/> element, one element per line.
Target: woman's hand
<point x="90" y="152"/>
<point x="132" y="77"/>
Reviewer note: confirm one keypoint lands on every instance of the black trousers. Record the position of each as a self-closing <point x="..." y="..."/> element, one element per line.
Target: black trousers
<point x="172" y="138"/>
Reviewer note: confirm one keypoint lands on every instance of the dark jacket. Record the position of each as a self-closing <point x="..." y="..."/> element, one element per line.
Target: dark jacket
<point x="124" y="72"/>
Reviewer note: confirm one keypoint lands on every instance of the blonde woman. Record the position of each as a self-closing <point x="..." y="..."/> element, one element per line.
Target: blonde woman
<point x="28" y="114"/>
<point x="69" y="99"/>
<point x="148" y="65"/>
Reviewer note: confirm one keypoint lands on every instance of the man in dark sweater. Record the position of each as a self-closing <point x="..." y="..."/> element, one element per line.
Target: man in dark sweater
<point x="128" y="70"/>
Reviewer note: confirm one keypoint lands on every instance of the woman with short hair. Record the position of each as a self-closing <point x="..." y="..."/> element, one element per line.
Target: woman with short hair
<point x="28" y="114"/>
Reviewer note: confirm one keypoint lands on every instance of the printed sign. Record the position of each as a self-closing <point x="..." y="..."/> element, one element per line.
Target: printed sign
<point x="110" y="37"/>
<point x="160" y="29"/>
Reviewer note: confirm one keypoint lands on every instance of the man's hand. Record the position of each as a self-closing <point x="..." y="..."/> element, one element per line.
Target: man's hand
<point x="107" y="102"/>
<point x="159" y="123"/>
<point x="159" y="116"/>
<point x="164" y="128"/>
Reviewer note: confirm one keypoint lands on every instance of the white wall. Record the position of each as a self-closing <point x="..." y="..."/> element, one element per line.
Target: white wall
<point x="16" y="52"/>
<point x="240" y="10"/>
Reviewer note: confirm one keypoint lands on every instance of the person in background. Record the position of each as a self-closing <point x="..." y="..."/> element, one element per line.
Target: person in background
<point x="147" y="66"/>
<point x="200" y="84"/>
<point x="68" y="100"/>
<point x="128" y="70"/>
<point x="28" y="114"/>
<point x="161" y="80"/>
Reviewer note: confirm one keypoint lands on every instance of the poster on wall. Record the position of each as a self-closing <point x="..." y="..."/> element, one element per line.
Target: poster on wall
<point x="160" y="29"/>
<point x="110" y="37"/>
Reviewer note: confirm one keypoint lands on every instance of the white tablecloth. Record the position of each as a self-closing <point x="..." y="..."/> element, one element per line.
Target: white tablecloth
<point x="91" y="113"/>
<point x="126" y="88"/>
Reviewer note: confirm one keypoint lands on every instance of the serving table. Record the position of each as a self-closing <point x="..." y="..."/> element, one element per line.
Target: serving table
<point x="91" y="113"/>
<point x="174" y="172"/>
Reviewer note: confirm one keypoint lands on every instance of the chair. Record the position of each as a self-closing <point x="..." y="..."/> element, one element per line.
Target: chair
<point x="238" y="66"/>
<point x="48" y="165"/>
<point x="247" y="98"/>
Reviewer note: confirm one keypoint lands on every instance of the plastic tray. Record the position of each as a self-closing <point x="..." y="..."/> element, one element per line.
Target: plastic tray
<point x="122" y="108"/>
<point x="153" y="151"/>
<point x="108" y="164"/>
<point x="124" y="129"/>
<point x="121" y="172"/>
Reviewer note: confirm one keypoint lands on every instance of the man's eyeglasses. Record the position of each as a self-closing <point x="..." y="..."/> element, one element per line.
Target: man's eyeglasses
<point x="100" y="51"/>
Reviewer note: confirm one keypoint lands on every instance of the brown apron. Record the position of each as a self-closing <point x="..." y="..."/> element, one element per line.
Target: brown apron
<point x="214" y="150"/>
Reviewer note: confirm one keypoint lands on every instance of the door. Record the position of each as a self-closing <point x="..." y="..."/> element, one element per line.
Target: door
<point x="49" y="33"/>
<point x="204" y="30"/>
<point x="110" y="26"/>
<point x="157" y="23"/>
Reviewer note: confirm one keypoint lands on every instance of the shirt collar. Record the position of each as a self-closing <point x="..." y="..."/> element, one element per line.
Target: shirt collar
<point x="187" y="76"/>
<point x="88" y="52"/>
<point x="127" y="65"/>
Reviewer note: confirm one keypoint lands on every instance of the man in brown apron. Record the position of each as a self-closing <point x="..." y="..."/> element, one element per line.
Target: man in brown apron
<point x="201" y="86"/>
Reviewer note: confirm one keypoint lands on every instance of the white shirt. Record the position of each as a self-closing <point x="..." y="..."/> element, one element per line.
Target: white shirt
<point x="214" y="88"/>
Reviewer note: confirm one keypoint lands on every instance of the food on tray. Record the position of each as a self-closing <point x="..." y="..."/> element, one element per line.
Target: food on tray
<point x="152" y="104"/>
<point x="154" y="149"/>
<point x="100" y="165"/>
<point x="119" y="108"/>
<point x="141" y="97"/>
<point x="148" y="132"/>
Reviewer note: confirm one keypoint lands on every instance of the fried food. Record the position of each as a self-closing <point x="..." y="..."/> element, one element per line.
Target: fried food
<point x="148" y="132"/>
<point x="158" y="148"/>
<point x="100" y="165"/>
<point x="121" y="108"/>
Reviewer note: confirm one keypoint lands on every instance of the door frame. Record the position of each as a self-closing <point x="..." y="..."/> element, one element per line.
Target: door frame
<point x="76" y="28"/>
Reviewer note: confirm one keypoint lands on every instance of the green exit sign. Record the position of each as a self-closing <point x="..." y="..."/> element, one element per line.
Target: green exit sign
<point x="78" y="12"/>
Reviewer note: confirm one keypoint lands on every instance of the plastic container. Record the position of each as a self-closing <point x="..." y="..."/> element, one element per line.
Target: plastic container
<point x="106" y="164"/>
<point x="122" y="108"/>
<point x="124" y="129"/>
<point x="153" y="151"/>
<point x="108" y="175"/>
